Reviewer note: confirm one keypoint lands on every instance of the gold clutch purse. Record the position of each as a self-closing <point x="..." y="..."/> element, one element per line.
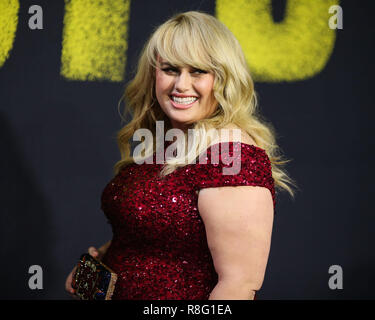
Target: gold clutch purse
<point x="93" y="280"/>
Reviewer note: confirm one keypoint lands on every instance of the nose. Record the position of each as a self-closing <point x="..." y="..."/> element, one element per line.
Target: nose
<point x="183" y="81"/>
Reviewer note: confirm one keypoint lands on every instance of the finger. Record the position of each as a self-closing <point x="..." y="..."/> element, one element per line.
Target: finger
<point x="68" y="283"/>
<point x="70" y="290"/>
<point x="72" y="293"/>
<point x="75" y="297"/>
<point x="93" y="252"/>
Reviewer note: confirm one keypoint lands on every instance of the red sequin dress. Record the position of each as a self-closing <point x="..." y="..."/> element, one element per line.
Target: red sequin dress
<point x="159" y="248"/>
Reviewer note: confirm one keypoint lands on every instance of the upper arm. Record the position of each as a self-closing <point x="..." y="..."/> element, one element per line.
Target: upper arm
<point x="238" y="222"/>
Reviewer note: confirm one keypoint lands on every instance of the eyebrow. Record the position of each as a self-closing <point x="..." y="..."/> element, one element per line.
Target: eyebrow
<point x="172" y="66"/>
<point x="166" y="63"/>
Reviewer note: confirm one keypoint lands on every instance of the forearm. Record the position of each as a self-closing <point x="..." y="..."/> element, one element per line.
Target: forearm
<point x="229" y="290"/>
<point x="103" y="249"/>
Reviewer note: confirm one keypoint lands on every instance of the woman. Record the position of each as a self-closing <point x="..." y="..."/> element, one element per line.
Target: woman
<point x="181" y="229"/>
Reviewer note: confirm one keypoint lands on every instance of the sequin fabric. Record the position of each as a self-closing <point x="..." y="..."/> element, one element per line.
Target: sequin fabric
<point x="159" y="248"/>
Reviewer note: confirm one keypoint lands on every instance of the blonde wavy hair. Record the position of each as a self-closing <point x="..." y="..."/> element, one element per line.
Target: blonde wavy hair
<point x="201" y="41"/>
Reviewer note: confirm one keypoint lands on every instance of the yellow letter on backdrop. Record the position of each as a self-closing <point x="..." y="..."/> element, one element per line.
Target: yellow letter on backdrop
<point x="95" y="39"/>
<point x="8" y="27"/>
<point x="295" y="49"/>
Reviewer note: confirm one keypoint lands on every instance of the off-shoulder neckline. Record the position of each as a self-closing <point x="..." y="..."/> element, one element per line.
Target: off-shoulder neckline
<point x="231" y="142"/>
<point x="242" y="144"/>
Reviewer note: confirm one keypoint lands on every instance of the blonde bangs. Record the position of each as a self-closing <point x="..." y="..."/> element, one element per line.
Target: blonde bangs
<point x="181" y="44"/>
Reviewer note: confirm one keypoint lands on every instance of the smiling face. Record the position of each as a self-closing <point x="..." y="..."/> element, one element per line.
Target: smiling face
<point x="184" y="94"/>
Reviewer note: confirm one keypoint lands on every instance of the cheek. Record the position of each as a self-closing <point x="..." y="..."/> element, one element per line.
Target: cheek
<point x="206" y="87"/>
<point x="162" y="82"/>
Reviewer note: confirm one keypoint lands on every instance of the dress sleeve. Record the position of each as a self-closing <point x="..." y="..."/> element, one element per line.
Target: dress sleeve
<point x="233" y="164"/>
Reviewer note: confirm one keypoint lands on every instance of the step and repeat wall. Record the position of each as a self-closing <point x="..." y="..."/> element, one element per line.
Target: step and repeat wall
<point x="63" y="70"/>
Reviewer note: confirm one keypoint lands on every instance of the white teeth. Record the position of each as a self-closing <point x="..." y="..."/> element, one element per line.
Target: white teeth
<point x="184" y="100"/>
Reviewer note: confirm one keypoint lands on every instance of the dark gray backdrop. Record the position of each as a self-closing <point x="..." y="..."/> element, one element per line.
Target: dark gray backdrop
<point x="58" y="148"/>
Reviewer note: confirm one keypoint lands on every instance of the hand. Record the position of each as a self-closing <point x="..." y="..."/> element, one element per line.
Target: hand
<point x="95" y="253"/>
<point x="68" y="283"/>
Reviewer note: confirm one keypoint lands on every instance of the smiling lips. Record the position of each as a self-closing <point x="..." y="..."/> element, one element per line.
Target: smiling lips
<point x="182" y="103"/>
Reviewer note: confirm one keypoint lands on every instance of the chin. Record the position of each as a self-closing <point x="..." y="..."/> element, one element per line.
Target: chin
<point x="183" y="122"/>
<point x="180" y="116"/>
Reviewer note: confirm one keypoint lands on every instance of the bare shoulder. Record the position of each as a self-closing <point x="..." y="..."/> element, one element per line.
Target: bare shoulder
<point x="235" y="133"/>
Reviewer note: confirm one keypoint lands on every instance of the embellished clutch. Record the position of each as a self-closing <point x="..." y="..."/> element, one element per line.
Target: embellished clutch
<point x="93" y="280"/>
